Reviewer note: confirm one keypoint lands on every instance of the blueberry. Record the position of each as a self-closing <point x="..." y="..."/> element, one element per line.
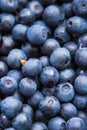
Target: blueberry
<point x="9" y="5"/>
<point x="68" y="9"/>
<point x="28" y="110"/>
<point x="80" y="102"/>
<point x="49" y="46"/>
<point x="26" y="16"/>
<point x="61" y="34"/>
<point x="27" y="86"/>
<point x="49" y="76"/>
<point x="67" y="75"/>
<point x="75" y="123"/>
<point x="37" y="34"/>
<point x="53" y="14"/>
<point x="14" y="58"/>
<point x="60" y="58"/>
<point x="7" y="21"/>
<point x="32" y="67"/>
<point x="22" y="122"/>
<point x="3" y="69"/>
<point x="80" y="84"/>
<point x="19" y="32"/>
<point x="76" y="25"/>
<point x="83" y="115"/>
<point x="50" y="106"/>
<point x="80" y="7"/>
<point x="65" y="92"/>
<point x="36" y="7"/>
<point x="72" y="47"/>
<point x="56" y="123"/>
<point x="44" y="61"/>
<point x="80" y="57"/>
<point x="8" y="85"/>
<point x="7" y="44"/>
<point x="4" y="121"/>
<point x="68" y="110"/>
<point x="39" y="126"/>
<point x="11" y="106"/>
<point x="35" y="99"/>
<point x="42" y="23"/>
<point x="40" y="117"/>
<point x="82" y="40"/>
<point x="16" y="74"/>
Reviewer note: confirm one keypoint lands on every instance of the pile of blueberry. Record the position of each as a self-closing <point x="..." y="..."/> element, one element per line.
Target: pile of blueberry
<point x="43" y="64"/>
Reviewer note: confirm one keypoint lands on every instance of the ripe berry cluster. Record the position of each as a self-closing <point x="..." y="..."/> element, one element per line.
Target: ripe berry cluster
<point x="43" y="64"/>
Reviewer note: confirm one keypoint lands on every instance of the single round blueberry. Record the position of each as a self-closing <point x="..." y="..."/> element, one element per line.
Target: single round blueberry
<point x="32" y="67"/>
<point x="22" y="122"/>
<point x="80" y="84"/>
<point x="50" y="106"/>
<point x="14" y="58"/>
<point x="83" y="115"/>
<point x="80" y="102"/>
<point x="8" y="85"/>
<point x="72" y="47"/>
<point x="67" y="75"/>
<point x="61" y="34"/>
<point x="80" y="7"/>
<point x="68" y="9"/>
<point x="7" y="21"/>
<point x="53" y="14"/>
<point x="39" y="126"/>
<point x="80" y="57"/>
<point x="9" y="5"/>
<point x="76" y="25"/>
<point x="42" y="23"/>
<point x="60" y="58"/>
<point x="7" y="44"/>
<point x="68" y="110"/>
<point x="28" y="110"/>
<point x="37" y="34"/>
<point x="11" y="106"/>
<point x="49" y="76"/>
<point x="44" y="61"/>
<point x="16" y="74"/>
<point x="49" y="46"/>
<point x="75" y="123"/>
<point x="36" y="7"/>
<point x="26" y="16"/>
<point x="19" y="32"/>
<point x="27" y="87"/>
<point x="3" y="69"/>
<point x="56" y="123"/>
<point x="65" y="92"/>
<point x="83" y="40"/>
<point x="35" y="99"/>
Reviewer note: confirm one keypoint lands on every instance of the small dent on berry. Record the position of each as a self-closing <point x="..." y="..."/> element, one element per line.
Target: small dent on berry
<point x="10" y="2"/>
<point x="65" y="88"/>
<point x="50" y="83"/>
<point x="50" y="102"/>
<point x="70" y="23"/>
